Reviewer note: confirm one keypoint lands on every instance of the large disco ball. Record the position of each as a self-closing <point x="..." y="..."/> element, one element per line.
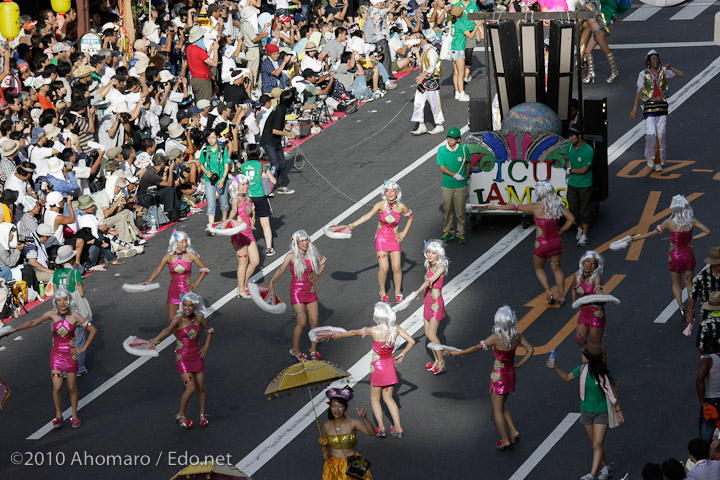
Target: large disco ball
<point x="533" y="118"/>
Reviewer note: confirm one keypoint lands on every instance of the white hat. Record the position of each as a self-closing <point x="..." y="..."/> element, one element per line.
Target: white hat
<point x="81" y="172"/>
<point x="120" y="107"/>
<point x="54" y="164"/>
<point x="53" y="199"/>
<point x="95" y="146"/>
<point x="28" y="203"/>
<point x="44" y="230"/>
<point x="40" y="81"/>
<point x="165" y="76"/>
<point x="109" y="26"/>
<point x="196" y="33"/>
<point x="149" y="28"/>
<point x="60" y="47"/>
<point x="51" y="130"/>
<point x="141" y="43"/>
<point x="175" y="130"/>
<point x="202" y="104"/>
<point x="64" y="254"/>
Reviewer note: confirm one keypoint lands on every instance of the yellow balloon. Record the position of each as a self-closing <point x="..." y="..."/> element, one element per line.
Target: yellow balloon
<point x="60" y="6"/>
<point x="9" y="19"/>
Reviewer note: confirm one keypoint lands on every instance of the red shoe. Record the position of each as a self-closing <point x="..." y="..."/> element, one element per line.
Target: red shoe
<point x="76" y="423"/>
<point x="399" y="298"/>
<point x="315" y="355"/>
<point x="385" y="299"/>
<point x="184" y="422"/>
<point x="57" y="422"/>
<point x="203" y="420"/>
<point x="429" y="366"/>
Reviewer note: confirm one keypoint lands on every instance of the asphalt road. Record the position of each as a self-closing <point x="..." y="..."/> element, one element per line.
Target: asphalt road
<point x="448" y="421"/>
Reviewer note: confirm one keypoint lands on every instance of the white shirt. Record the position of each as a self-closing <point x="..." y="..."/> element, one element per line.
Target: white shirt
<point x="262" y="117"/>
<point x="39" y="156"/>
<point x="20" y="186"/>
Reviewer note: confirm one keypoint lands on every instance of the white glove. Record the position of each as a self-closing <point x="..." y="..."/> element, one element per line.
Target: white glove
<point x="458" y="177"/>
<point x="6" y="330"/>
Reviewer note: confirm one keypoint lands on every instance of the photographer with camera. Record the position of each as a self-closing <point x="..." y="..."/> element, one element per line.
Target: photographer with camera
<point x="10" y="248"/>
<point x="161" y="177"/>
<point x="215" y="165"/>
<point x="376" y="29"/>
<point x="273" y="68"/>
<point x="238" y="90"/>
<point x="40" y="248"/>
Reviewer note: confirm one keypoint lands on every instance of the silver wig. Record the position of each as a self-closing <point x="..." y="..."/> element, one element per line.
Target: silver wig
<point x="235" y="183"/>
<point x="600" y="264"/>
<point x="391" y="185"/>
<point x="384" y="317"/>
<point x="438" y="247"/>
<point x="177" y="237"/>
<point x="312" y="254"/>
<point x="682" y="212"/>
<point x="63" y="293"/>
<point x="549" y="200"/>
<point x="505" y="323"/>
<point x="200" y="307"/>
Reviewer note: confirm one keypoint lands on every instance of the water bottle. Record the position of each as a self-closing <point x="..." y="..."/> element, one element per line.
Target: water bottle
<point x="551" y="359"/>
<point x="153" y="223"/>
<point x="42" y="289"/>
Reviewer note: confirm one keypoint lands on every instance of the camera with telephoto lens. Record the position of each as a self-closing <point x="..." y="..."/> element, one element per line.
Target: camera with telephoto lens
<point x="24" y="239"/>
<point x="214" y="178"/>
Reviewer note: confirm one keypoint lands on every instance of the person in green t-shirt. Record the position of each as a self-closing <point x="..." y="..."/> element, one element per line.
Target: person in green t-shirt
<point x="453" y="160"/>
<point x="580" y="180"/>
<point x="461" y="30"/>
<point x="599" y="387"/>
<point x="253" y="169"/>
<point x="215" y="165"/>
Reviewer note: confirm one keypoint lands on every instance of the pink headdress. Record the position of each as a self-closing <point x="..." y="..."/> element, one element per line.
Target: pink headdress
<point x="344" y="393"/>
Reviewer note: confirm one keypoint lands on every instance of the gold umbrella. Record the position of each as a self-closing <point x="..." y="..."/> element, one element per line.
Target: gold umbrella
<point x="207" y="470"/>
<point x="305" y="375"/>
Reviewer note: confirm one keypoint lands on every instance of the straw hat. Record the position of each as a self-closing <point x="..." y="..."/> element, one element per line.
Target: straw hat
<point x="196" y="33"/>
<point x="175" y="130"/>
<point x="713" y="259"/>
<point x="83" y="71"/>
<point x="713" y="303"/>
<point x="9" y="147"/>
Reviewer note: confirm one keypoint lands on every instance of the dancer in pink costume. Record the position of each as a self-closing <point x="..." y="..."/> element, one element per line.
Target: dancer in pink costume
<point x="179" y="258"/>
<point x="587" y="282"/>
<point x="64" y="353"/>
<point x="436" y="264"/>
<point x="383" y="375"/>
<point x="189" y="355"/>
<point x="681" y="259"/>
<point x="307" y="266"/>
<point x="388" y="236"/>
<point x="243" y="242"/>
<point x="504" y="341"/>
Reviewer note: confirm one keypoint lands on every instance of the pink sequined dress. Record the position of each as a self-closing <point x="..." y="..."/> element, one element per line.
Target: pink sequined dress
<point x="681" y="257"/>
<point x="433" y="301"/>
<point x="387" y="230"/>
<point x="244" y="213"/>
<point x="547" y="237"/>
<point x="187" y="350"/>
<point x="180" y="271"/>
<point x="382" y="366"/>
<point x="592" y="316"/>
<point x="502" y="378"/>
<point x="302" y="290"/>
<point x="61" y="357"/>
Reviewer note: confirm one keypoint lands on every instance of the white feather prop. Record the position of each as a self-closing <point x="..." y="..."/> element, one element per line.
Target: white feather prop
<point x="321" y="334"/>
<point x="227" y="228"/>
<point x="6" y="330"/>
<point x="139" y="287"/>
<point x="621" y="244"/>
<point x="436" y="347"/>
<point x="405" y="303"/>
<point x="338" y="232"/>
<point x="139" y="347"/>
<point x="588" y="299"/>
<point x="266" y="299"/>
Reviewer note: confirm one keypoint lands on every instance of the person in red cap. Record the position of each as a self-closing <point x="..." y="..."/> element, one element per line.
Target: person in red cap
<point x="272" y="69"/>
<point x="29" y="29"/>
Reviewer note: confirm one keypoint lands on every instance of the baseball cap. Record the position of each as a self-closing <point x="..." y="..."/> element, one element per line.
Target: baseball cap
<point x="29" y="25"/>
<point x="203" y="104"/>
<point x="454" y="132"/>
<point x="575" y="128"/>
<point x="299" y="17"/>
<point x="60" y="47"/>
<point x="22" y="65"/>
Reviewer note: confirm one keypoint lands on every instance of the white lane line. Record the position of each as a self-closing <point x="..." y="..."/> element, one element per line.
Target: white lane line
<point x="264" y="452"/>
<point x="693" y="9"/>
<point x="545" y="447"/>
<point x="638" y="131"/>
<point x="641" y="14"/>
<point x="673" y="306"/>
<point x="105" y="386"/>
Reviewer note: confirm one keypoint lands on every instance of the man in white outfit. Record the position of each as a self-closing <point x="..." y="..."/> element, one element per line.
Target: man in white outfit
<point x="428" y="83"/>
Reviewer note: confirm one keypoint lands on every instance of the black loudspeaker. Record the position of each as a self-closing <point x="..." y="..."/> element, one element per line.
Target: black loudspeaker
<point x="507" y="64"/>
<point x="599" y="167"/>
<point x="477" y="115"/>
<point x="560" y="67"/>
<point x="595" y="121"/>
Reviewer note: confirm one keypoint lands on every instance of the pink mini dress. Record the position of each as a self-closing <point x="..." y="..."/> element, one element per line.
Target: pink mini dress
<point x="502" y="378"/>
<point x="180" y="271"/>
<point x="547" y="237"/>
<point x="244" y="213"/>
<point x="433" y="300"/>
<point x="61" y="356"/>
<point x="382" y="366"/>
<point x="387" y="230"/>
<point x="302" y="290"/>
<point x="681" y="257"/>
<point x="592" y="316"/>
<point x="187" y="350"/>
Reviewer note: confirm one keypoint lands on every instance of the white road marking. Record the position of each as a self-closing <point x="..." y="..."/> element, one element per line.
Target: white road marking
<point x="232" y="294"/>
<point x="272" y="445"/>
<point x="545" y="447"/>
<point x="693" y="9"/>
<point x="673" y="306"/>
<point x="662" y="46"/>
<point x="641" y="14"/>
<point x="638" y="131"/>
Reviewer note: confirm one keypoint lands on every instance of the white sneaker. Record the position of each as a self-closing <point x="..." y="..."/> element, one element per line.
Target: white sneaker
<point x="130" y="252"/>
<point x="457" y="95"/>
<point x="420" y="129"/>
<point x="436" y="130"/>
<point x="583" y="242"/>
<point x="658" y="168"/>
<point x="468" y="78"/>
<point x="605" y="473"/>
<point x="651" y="163"/>
<point x="463" y="97"/>
<point x="578" y="234"/>
<point x="285" y="191"/>
<point x="139" y="249"/>
<point x="588" y="476"/>
<point x="390" y="85"/>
